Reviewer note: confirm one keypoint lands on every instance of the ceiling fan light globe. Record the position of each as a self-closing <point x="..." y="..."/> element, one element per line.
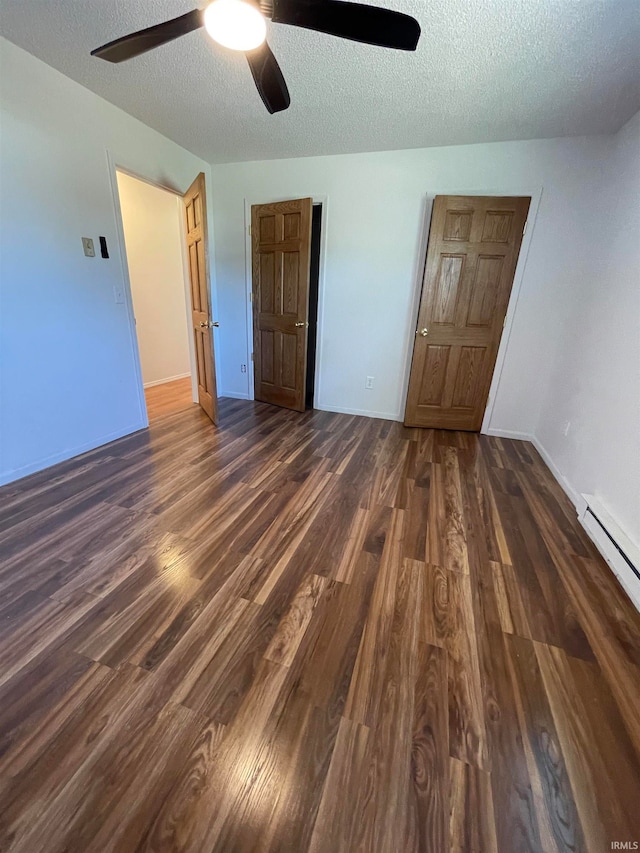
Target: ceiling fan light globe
<point x="235" y="24"/>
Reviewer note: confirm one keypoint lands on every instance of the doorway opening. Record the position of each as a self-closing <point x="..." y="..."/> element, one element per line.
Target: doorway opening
<point x="314" y="284"/>
<point x="152" y="219"/>
<point x="286" y="241"/>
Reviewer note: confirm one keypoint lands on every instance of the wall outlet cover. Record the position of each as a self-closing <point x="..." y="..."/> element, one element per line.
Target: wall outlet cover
<point x="88" y="248"/>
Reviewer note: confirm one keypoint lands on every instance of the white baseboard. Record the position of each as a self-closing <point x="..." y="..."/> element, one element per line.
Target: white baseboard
<point x="524" y="436"/>
<point x="623" y="572"/>
<point x="235" y="395"/>
<point x="322" y="407"/>
<point x="168" y="379"/>
<point x="54" y="459"/>
<point x="365" y="413"/>
<point x="508" y="433"/>
<point x="571" y="493"/>
<point x="573" y="496"/>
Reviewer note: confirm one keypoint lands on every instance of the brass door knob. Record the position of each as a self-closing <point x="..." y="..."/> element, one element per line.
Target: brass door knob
<point x="209" y="325"/>
<point x="300" y="325"/>
<point x="424" y="332"/>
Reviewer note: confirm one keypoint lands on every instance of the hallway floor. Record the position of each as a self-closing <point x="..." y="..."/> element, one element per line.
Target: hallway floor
<point x="169" y="397"/>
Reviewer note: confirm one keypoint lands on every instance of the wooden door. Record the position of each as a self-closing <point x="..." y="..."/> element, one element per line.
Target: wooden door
<point x="195" y="208"/>
<point x="281" y="253"/>
<point x="474" y="243"/>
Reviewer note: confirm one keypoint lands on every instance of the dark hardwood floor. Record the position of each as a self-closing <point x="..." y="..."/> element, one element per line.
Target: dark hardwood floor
<point x="310" y="633"/>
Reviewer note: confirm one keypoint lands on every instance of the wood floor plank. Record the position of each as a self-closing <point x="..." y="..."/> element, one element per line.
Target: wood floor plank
<point x="467" y="734"/>
<point x="516" y="819"/>
<point x="471" y="810"/>
<point x="429" y="802"/>
<point x="367" y="684"/>
<point x="308" y="740"/>
<point x="560" y="828"/>
<point x="592" y="740"/>
<point x="285" y="642"/>
<point x="386" y="799"/>
<point x="436" y="610"/>
<point x="336" y="826"/>
<point x="327" y="670"/>
<point x="456" y="557"/>
<point x="310" y="632"/>
<point x="243" y="776"/>
<point x="417" y="505"/>
<point x="169" y="830"/>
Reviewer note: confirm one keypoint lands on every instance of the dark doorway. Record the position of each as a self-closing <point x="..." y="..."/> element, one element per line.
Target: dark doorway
<point x="314" y="280"/>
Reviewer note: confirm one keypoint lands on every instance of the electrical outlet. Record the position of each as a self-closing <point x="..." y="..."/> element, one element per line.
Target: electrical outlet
<point x="118" y="294"/>
<point x="369" y="383"/>
<point x="87" y="246"/>
<point x="566" y="428"/>
<point x="243" y="368"/>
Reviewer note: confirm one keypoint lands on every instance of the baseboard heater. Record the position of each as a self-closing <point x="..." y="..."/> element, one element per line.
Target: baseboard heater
<point x="620" y="553"/>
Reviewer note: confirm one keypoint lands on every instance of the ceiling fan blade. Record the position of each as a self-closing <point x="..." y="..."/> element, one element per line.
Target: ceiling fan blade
<point x="134" y="44"/>
<point x="355" y="21"/>
<point x="268" y="78"/>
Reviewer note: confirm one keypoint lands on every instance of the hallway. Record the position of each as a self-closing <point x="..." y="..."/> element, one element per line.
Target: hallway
<point x="168" y="398"/>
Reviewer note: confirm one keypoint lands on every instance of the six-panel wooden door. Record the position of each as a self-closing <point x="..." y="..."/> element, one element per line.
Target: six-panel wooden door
<point x="195" y="209"/>
<point x="281" y="251"/>
<point x="473" y="249"/>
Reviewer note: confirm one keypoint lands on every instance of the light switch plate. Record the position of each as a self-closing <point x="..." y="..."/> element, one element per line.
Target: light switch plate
<point x="87" y="245"/>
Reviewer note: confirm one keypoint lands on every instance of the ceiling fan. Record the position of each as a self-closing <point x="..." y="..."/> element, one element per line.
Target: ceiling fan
<point x="241" y="25"/>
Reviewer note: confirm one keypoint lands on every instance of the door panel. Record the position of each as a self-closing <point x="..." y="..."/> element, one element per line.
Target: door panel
<point x="289" y="351"/>
<point x="484" y="290"/>
<point x="434" y="375"/>
<point x="446" y="288"/>
<point x="474" y="243"/>
<point x="195" y="207"/>
<point x="281" y="253"/>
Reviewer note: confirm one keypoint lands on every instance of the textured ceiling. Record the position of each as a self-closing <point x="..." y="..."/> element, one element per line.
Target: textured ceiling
<point x="485" y="70"/>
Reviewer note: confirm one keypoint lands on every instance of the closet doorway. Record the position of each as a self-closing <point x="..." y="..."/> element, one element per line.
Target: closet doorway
<point x="285" y="264"/>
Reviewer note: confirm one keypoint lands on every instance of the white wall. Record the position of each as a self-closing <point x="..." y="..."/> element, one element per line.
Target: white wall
<point x="595" y="382"/>
<point x="67" y="349"/>
<point x="152" y="221"/>
<point x="374" y="231"/>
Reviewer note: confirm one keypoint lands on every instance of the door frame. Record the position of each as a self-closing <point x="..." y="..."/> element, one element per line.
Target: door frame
<point x="315" y="199"/>
<point x="114" y="167"/>
<point x="535" y="193"/>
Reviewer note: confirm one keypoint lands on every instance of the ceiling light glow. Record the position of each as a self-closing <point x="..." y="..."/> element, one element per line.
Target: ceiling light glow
<point x="235" y="24"/>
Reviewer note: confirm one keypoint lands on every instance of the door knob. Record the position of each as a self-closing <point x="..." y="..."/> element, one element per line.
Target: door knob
<point x="300" y="325"/>
<point x="209" y="325"/>
<point x="424" y="332"/>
